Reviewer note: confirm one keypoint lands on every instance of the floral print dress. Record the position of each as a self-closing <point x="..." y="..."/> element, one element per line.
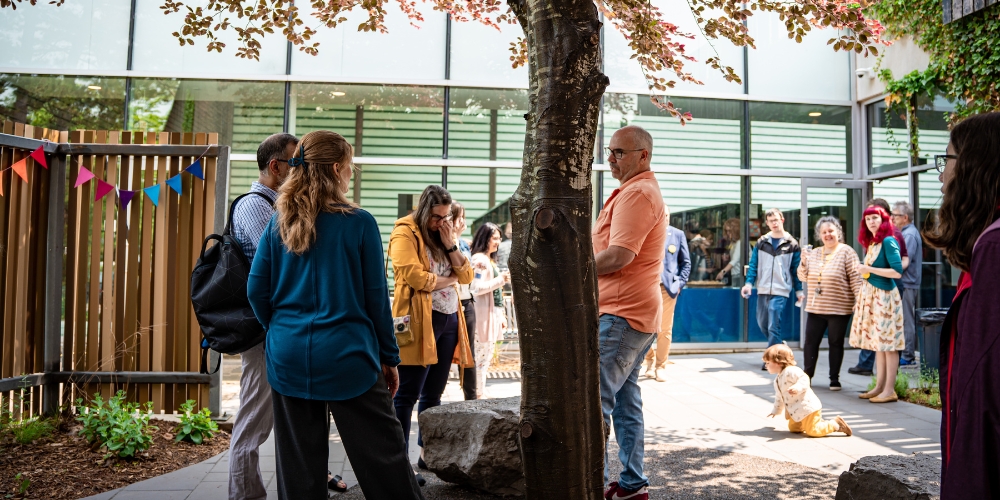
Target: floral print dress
<point x="878" y="314"/>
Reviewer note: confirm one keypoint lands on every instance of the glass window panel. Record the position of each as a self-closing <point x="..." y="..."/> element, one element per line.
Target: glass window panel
<point x="80" y="35"/>
<point x="625" y="72"/>
<point x="712" y="139"/>
<point x="470" y="186"/>
<point x="707" y="208"/>
<point x="406" y="51"/>
<point x="782" y="68"/>
<point x="396" y="120"/>
<point x="487" y="124"/>
<point x="156" y="49"/>
<point x="890" y="139"/>
<point x="507" y="181"/>
<point x="936" y="266"/>
<point x="892" y="190"/>
<point x="242" y="113"/>
<point x="63" y="102"/>
<point x="800" y="137"/>
<point x="480" y="53"/>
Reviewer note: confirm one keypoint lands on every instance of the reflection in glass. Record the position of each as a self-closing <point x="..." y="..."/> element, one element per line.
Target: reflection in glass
<point x="395" y="120"/>
<point x="889" y="137"/>
<point x="800" y="137"/>
<point x="63" y="102"/>
<point x="480" y="53"/>
<point x="939" y="279"/>
<point x="242" y="113"/>
<point x="712" y="139"/>
<point x="487" y="124"/>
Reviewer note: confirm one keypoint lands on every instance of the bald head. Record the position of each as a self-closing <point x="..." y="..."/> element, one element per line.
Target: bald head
<point x="639" y="137"/>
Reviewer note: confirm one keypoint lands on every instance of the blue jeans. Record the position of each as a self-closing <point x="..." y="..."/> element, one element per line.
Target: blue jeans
<point x="866" y="360"/>
<point x="622" y="351"/>
<point x="770" y="309"/>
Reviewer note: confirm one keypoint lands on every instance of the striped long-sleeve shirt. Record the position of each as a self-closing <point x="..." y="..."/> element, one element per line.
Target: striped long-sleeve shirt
<point x="250" y="217"/>
<point x="832" y="279"/>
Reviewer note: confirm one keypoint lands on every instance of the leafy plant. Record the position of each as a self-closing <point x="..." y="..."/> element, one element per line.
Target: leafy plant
<point x="22" y="485"/>
<point x="902" y="384"/>
<point x="119" y="426"/>
<point x="30" y="430"/>
<point x="195" y="426"/>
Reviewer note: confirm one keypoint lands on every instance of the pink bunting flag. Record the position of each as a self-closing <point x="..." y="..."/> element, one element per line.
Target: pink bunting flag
<point x="103" y="188"/>
<point x="39" y="156"/>
<point x="83" y="177"/>
<point x="21" y="168"/>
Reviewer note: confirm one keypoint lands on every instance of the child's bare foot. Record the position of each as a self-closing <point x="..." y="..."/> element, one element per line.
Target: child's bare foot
<point x="846" y="429"/>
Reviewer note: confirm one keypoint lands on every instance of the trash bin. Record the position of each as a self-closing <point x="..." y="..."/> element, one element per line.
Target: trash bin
<point x="931" y="319"/>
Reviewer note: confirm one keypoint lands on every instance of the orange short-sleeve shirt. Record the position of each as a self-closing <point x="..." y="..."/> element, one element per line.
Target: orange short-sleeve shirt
<point x="633" y="218"/>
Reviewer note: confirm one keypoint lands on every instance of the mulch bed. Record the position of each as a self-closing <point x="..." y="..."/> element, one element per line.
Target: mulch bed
<point x="64" y="465"/>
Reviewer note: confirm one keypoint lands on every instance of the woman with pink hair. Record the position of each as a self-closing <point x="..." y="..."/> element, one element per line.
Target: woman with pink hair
<point x="878" y="312"/>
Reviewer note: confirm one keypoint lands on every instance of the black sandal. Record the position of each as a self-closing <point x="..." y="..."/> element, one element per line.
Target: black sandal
<point x="334" y="483"/>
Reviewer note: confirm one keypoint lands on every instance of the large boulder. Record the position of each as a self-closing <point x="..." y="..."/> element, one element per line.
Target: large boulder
<point x="909" y="477"/>
<point x="474" y="443"/>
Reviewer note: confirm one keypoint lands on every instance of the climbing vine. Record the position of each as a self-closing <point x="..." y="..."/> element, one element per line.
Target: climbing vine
<point x="964" y="59"/>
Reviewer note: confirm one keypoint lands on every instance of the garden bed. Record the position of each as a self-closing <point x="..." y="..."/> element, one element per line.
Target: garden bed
<point x="64" y="465"/>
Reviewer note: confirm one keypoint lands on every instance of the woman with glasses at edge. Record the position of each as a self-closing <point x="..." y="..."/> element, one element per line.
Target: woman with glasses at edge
<point x="968" y="233"/>
<point x="429" y="323"/>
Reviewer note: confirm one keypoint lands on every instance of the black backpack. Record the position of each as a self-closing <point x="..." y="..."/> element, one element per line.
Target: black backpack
<point x="219" y="295"/>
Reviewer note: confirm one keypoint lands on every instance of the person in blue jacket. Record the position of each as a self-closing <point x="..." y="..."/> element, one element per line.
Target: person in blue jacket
<point x="673" y="277"/>
<point x="773" y="269"/>
<point x="317" y="284"/>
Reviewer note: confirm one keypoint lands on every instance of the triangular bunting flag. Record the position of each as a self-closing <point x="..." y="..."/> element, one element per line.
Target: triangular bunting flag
<point x="153" y="193"/>
<point x="175" y="183"/>
<point x="103" y="188"/>
<point x="195" y="170"/>
<point x="125" y="196"/>
<point x="83" y="177"/>
<point x="21" y="168"/>
<point x="39" y="156"/>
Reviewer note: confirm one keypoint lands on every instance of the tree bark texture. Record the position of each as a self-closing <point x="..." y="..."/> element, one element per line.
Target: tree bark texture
<point x="562" y="433"/>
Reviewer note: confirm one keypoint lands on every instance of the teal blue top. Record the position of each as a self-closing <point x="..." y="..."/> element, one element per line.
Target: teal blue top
<point x="327" y="315"/>
<point x="887" y="258"/>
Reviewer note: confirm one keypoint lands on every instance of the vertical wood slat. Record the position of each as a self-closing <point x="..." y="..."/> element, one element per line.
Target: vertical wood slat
<point x="181" y="297"/>
<point x="96" y="245"/>
<point x="133" y="334"/>
<point x="145" y="293"/>
<point x="108" y="341"/>
<point x="72" y="248"/>
<point x="197" y="236"/>
<point x="38" y="244"/>
<point x="161" y="312"/>
<point x="6" y="318"/>
<point x="17" y="279"/>
<point x="211" y="176"/>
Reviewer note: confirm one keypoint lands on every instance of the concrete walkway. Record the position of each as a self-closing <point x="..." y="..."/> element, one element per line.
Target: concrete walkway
<point x="716" y="401"/>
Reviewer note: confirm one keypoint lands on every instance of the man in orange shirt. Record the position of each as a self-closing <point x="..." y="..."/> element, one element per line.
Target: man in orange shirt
<point x="628" y="240"/>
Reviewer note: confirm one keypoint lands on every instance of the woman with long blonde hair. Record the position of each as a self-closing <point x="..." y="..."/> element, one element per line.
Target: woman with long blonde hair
<point x="317" y="284"/>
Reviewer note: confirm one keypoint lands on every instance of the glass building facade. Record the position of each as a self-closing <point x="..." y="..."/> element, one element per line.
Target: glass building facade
<point x="440" y="104"/>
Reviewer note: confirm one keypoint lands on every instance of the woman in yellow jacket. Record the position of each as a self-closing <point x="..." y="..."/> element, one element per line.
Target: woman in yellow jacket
<point x="429" y="326"/>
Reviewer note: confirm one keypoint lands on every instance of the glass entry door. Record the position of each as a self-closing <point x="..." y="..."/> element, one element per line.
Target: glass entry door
<point x="843" y="199"/>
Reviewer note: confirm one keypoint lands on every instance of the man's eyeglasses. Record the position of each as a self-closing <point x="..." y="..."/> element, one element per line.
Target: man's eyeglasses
<point x="619" y="153"/>
<point x="941" y="161"/>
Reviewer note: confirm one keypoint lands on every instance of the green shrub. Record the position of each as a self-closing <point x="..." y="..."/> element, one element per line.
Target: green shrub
<point x="195" y="426"/>
<point x="119" y="426"/>
<point x="29" y="430"/>
<point x="902" y="384"/>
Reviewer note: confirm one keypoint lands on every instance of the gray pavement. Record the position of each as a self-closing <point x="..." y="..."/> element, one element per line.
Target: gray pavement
<point x="710" y="402"/>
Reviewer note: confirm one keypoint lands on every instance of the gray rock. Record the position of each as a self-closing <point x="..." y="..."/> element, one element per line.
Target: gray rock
<point x="474" y="443"/>
<point x="910" y="477"/>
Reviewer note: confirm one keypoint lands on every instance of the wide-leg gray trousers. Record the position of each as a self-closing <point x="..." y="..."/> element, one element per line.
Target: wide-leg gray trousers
<point x="254" y="421"/>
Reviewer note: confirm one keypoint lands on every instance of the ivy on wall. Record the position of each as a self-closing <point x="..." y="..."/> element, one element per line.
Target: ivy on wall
<point x="964" y="59"/>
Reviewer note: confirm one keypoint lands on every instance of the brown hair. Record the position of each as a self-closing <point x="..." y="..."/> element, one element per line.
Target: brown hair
<point x="313" y="187"/>
<point x="773" y="212"/>
<point x="432" y="196"/>
<point x="781" y="354"/>
<point x="971" y="197"/>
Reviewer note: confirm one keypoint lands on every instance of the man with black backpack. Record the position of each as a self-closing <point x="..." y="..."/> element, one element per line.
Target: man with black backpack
<point x="254" y="420"/>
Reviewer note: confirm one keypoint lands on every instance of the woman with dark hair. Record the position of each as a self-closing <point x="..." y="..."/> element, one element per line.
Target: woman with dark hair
<point x="487" y="287"/>
<point x="468" y="375"/>
<point x="430" y="330"/>
<point x="878" y="313"/>
<point x="318" y="286"/>
<point x="830" y="273"/>
<point x="968" y="233"/>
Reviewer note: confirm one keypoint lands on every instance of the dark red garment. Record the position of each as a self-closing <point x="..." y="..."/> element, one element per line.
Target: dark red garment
<point x="896" y="233"/>
<point x="970" y="380"/>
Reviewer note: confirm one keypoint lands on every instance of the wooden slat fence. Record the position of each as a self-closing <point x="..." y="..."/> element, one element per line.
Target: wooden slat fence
<point x="95" y="298"/>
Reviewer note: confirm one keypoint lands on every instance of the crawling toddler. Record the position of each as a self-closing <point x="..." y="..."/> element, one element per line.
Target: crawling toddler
<point x="794" y="396"/>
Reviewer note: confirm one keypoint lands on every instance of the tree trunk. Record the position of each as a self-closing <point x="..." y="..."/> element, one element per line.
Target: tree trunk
<point x="562" y="431"/>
